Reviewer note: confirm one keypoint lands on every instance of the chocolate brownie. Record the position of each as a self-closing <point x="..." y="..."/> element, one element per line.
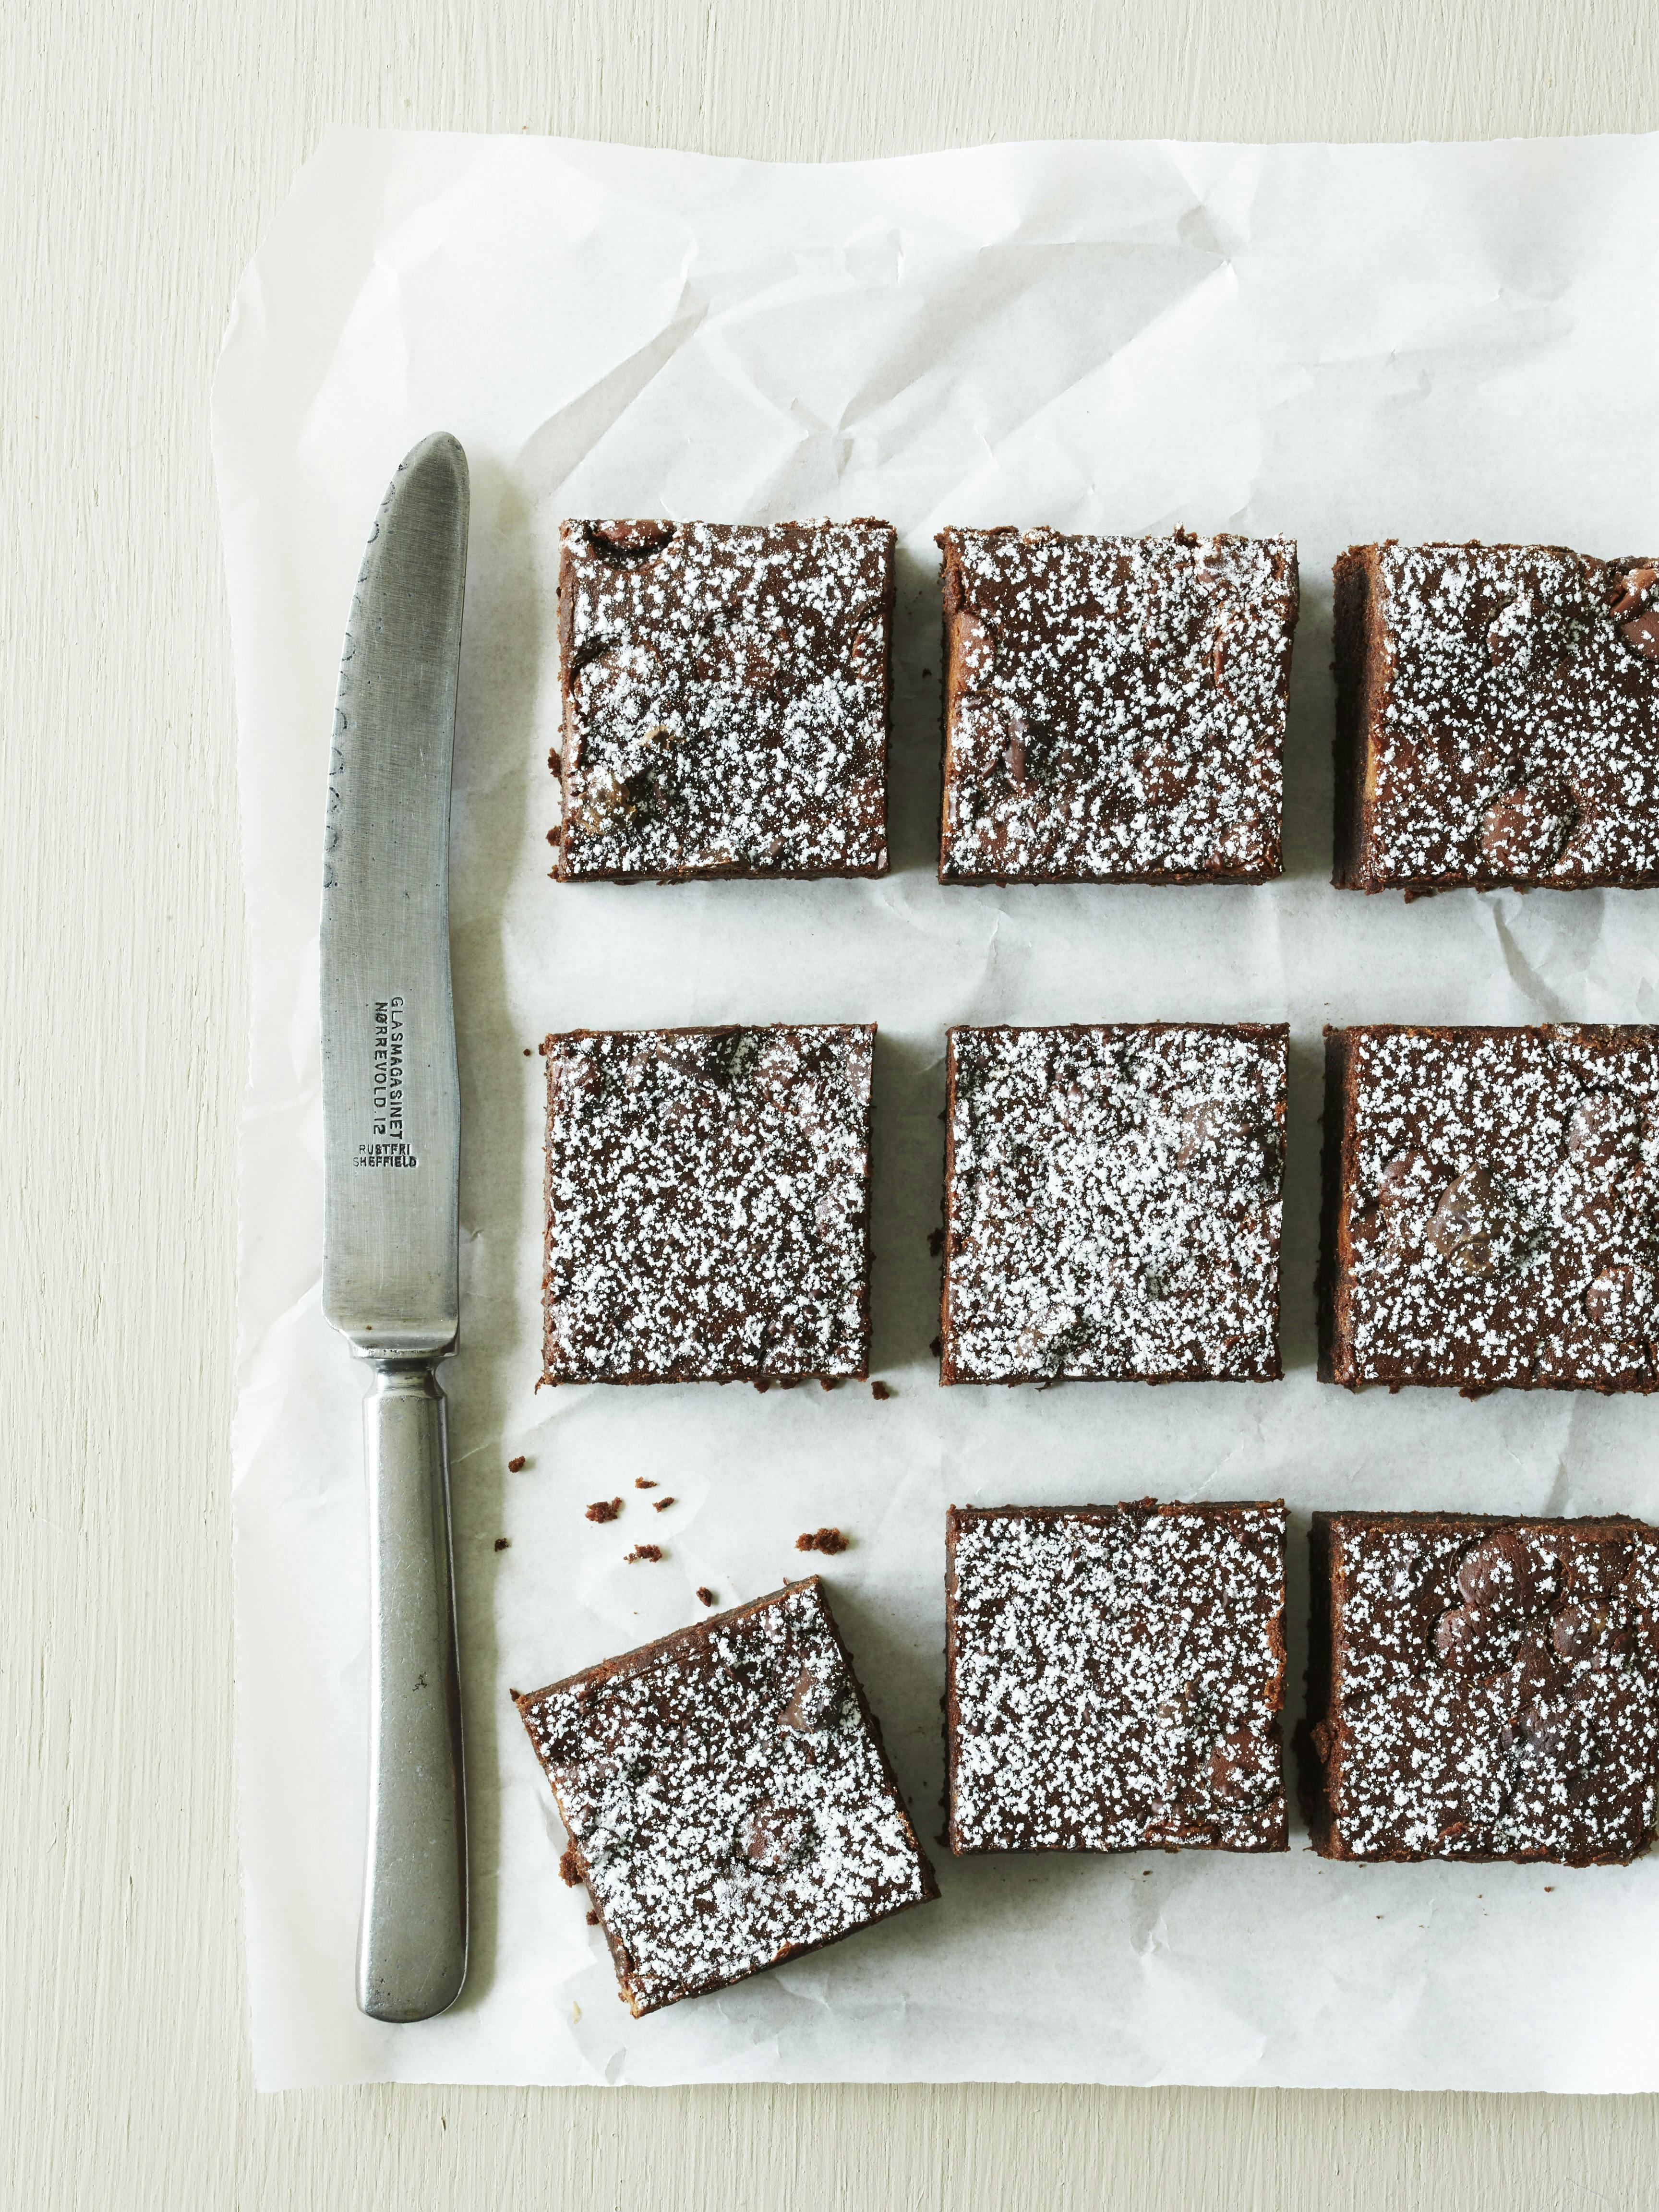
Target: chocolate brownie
<point x="726" y="699"/>
<point x="1498" y="718"/>
<point x="728" y="1800"/>
<point x="1114" y="707"/>
<point x="1491" y="1213"/>
<point x="1482" y="1688"/>
<point x="1114" y="1677"/>
<point x="1112" y="1202"/>
<point x="707" y="1205"/>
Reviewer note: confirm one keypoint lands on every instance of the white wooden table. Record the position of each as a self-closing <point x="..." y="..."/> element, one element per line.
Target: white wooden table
<point x="142" y="151"/>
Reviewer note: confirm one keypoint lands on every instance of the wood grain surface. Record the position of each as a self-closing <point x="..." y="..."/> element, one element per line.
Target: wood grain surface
<point x="143" y="149"/>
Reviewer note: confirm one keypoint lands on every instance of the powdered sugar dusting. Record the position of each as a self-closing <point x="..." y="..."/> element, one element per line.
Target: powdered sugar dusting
<point x="726" y="698"/>
<point x="1117" y="705"/>
<point x="707" y="1204"/>
<point x="1113" y="1202"/>
<point x="728" y="1798"/>
<point x="1502" y="1223"/>
<point x="1516" y="739"/>
<point x="1117" y="1675"/>
<point x="1496" y="1690"/>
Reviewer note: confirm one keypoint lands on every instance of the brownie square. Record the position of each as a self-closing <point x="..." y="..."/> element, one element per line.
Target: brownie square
<point x="1112" y="1202"/>
<point x="727" y="1797"/>
<point x="1114" y="1677"/>
<point x="726" y="699"/>
<point x="1482" y="1688"/>
<point x="1114" y="707"/>
<point x="707" y="1205"/>
<point x="1498" y="718"/>
<point x="1490" y="1211"/>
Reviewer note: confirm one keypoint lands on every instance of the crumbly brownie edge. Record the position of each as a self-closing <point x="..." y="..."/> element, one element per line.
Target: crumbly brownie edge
<point x="1336" y="1156"/>
<point x="859" y="1374"/>
<point x="949" y="541"/>
<point x="566" y="615"/>
<point x="1355" y="645"/>
<point x="947" y="1369"/>
<point x="1315" y="1742"/>
<point x="632" y="1662"/>
<point x="1215" y="1510"/>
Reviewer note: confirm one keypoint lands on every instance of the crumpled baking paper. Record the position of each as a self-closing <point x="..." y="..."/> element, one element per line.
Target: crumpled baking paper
<point x="1335" y="343"/>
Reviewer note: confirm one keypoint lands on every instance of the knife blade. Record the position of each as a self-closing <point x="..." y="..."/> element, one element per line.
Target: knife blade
<point x="391" y="1237"/>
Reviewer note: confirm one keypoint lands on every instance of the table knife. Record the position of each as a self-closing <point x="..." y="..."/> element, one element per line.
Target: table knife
<point x="392" y="1150"/>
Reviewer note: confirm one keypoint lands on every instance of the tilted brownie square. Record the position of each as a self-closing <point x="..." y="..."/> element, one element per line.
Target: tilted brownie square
<point x="1114" y="707"/>
<point x="1498" y="718"/>
<point x="1112" y="1202"/>
<point x="1492" y="1214"/>
<point x="727" y="1797"/>
<point x="1482" y="1688"/>
<point x="726" y="699"/>
<point x="707" y="1205"/>
<point x="1114" y="1677"/>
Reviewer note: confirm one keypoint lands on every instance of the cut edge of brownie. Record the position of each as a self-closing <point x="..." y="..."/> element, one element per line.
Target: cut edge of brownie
<point x="948" y="542"/>
<point x="958" y="1517"/>
<point x="735" y="873"/>
<point x="1321" y="1736"/>
<point x="769" y="1378"/>
<point x="947" y="1375"/>
<point x="1331" y="1296"/>
<point x="1355" y="658"/>
<point x="638" y="1662"/>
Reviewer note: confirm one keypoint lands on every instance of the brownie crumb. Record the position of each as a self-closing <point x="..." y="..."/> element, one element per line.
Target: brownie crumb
<point x="570" y="1867"/>
<point x="526" y="1052"/>
<point x="516" y="1466"/>
<point x="828" y="1382"/>
<point x="936" y="1242"/>
<point x="605" y="1509"/>
<point x="643" y="1482"/>
<point x="881" y="1390"/>
<point x="592" y="1918"/>
<point x="821" y="1539"/>
<point x="503" y="1543"/>
<point x="705" y="1596"/>
<point x="552" y="836"/>
<point x="641" y="1552"/>
<point x="554" y="765"/>
<point x="661" y="1504"/>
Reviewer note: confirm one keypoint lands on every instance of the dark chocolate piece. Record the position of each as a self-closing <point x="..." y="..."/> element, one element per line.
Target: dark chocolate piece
<point x="1498" y="718"/>
<point x="728" y="1798"/>
<point x="1482" y="1688"/>
<point x="1115" y="1675"/>
<point x="708" y="1202"/>
<point x="726" y="699"/>
<point x="1491" y="1213"/>
<point x="1112" y="1203"/>
<point x="1115" y="708"/>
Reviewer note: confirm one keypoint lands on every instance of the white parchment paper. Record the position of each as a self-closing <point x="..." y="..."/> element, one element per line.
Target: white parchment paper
<point x="1337" y="343"/>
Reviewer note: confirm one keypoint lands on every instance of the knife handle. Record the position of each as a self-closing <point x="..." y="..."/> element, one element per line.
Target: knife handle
<point x="411" y="1952"/>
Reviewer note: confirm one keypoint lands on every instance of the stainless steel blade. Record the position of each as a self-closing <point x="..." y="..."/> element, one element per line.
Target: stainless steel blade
<point x="390" y="1098"/>
<point x="392" y="1138"/>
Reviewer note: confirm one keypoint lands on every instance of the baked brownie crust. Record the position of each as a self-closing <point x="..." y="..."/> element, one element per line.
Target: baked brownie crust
<point x="1112" y="1202"/>
<point x="707" y="1205"/>
<point x="727" y="690"/>
<point x="1490" y="1217"/>
<point x="1115" y="708"/>
<point x="1498" y="718"/>
<point x="727" y="1797"/>
<point x="1115" y="1676"/>
<point x="1482" y="1688"/>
